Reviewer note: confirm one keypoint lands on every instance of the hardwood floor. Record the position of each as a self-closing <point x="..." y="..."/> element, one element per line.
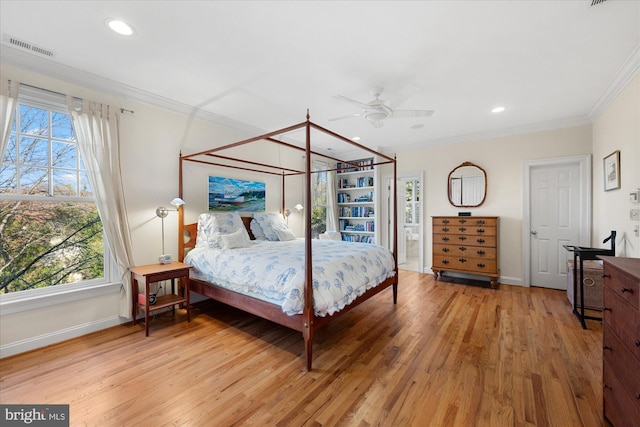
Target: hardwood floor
<point x="445" y="355"/>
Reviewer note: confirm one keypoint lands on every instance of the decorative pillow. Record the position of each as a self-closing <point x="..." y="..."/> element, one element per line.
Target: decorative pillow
<point x="257" y="230"/>
<point x="234" y="240"/>
<point x="212" y="225"/>
<point x="284" y="234"/>
<point x="267" y="221"/>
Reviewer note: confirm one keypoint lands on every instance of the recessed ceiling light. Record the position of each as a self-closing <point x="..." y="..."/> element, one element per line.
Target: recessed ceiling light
<point x="356" y="138"/>
<point x="499" y="109"/>
<point x="120" y="27"/>
<point x="418" y="126"/>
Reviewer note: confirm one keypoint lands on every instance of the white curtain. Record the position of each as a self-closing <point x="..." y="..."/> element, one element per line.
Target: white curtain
<point x="96" y="128"/>
<point x="8" y="97"/>
<point x="332" y="197"/>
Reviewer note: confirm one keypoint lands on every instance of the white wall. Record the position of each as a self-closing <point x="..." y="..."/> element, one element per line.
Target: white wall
<point x="152" y="139"/>
<point x="502" y="159"/>
<point x="618" y="128"/>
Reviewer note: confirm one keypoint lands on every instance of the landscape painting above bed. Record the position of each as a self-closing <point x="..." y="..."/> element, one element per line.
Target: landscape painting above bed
<point x="228" y="194"/>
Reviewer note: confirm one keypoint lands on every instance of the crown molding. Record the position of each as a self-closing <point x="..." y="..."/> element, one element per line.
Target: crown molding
<point x="500" y="133"/>
<point x="51" y="68"/>
<point x="629" y="71"/>
<point x="48" y="67"/>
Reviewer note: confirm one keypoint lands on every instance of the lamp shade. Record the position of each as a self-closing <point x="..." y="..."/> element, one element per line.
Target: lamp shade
<point x="177" y="202"/>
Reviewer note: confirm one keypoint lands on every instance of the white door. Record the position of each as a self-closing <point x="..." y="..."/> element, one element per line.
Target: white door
<point x="390" y="215"/>
<point x="555" y="218"/>
<point x="402" y="238"/>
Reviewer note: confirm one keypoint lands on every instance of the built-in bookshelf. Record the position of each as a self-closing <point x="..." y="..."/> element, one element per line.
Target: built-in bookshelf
<point x="356" y="200"/>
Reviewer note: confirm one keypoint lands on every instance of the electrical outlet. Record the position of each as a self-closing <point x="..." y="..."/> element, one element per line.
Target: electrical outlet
<point x="634" y="214"/>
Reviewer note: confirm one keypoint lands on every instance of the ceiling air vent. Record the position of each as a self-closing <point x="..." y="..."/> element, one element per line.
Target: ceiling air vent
<point x="13" y="41"/>
<point x="595" y="2"/>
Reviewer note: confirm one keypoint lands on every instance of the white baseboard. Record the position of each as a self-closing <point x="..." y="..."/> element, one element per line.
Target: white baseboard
<point x="503" y="280"/>
<point x="44" y="340"/>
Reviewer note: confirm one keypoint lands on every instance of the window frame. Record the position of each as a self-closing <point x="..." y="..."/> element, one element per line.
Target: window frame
<point x="30" y="299"/>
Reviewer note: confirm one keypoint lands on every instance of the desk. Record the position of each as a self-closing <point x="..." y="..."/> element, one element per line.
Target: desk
<point x="147" y="274"/>
<point x="581" y="254"/>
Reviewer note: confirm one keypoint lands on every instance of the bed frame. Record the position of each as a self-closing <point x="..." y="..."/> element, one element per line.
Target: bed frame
<point x="307" y="322"/>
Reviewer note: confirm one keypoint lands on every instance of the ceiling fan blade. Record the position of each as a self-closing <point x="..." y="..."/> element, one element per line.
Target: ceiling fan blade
<point x="401" y="96"/>
<point x="351" y="101"/>
<point x="410" y="113"/>
<point x="345" y="117"/>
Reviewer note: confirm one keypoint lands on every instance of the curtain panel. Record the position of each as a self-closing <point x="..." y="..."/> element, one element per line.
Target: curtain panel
<point x="97" y="132"/>
<point x="332" y="197"/>
<point x="8" y="98"/>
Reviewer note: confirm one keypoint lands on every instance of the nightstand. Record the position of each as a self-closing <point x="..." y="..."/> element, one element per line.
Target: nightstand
<point x="147" y="274"/>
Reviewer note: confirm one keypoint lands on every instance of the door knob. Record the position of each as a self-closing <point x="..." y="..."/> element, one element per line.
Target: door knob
<point x="534" y="232"/>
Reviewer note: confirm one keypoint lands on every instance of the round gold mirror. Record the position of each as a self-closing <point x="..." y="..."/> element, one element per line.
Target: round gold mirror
<point x="467" y="186"/>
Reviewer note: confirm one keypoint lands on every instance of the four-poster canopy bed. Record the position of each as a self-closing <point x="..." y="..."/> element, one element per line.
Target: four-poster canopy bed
<point x="382" y="265"/>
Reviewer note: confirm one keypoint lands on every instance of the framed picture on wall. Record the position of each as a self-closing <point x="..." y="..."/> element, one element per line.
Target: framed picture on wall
<point x="612" y="171"/>
<point x="229" y="194"/>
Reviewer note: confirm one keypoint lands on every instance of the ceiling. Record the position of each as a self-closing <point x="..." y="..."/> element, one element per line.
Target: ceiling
<point x="259" y="65"/>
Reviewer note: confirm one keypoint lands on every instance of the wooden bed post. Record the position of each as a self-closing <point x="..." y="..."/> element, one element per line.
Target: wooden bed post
<point x="395" y="227"/>
<point x="282" y="208"/>
<point x="307" y="313"/>
<point x="180" y="214"/>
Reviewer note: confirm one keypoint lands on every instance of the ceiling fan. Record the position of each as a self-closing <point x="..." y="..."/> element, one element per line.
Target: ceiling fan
<point x="377" y="110"/>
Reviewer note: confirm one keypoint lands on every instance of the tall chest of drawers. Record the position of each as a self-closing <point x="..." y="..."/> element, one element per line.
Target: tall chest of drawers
<point x="621" y="341"/>
<point x="466" y="244"/>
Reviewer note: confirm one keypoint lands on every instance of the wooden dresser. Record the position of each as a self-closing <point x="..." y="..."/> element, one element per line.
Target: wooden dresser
<point x="466" y="244"/>
<point x="621" y="341"/>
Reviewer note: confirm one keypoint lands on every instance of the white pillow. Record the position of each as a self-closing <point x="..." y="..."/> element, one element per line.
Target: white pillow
<point x="234" y="240"/>
<point x="269" y="220"/>
<point x="257" y="230"/>
<point x="212" y="225"/>
<point x="285" y="234"/>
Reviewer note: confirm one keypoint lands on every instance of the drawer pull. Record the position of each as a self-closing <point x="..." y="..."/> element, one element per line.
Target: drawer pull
<point x="445" y="261"/>
<point x="607" y="309"/>
<point x="445" y="249"/>
<point x="606" y="275"/>
<point x="480" y="240"/>
<point x="462" y="229"/>
<point x="480" y="252"/>
<point x="623" y="290"/>
<point x="462" y="248"/>
<point x="445" y="229"/>
<point x="606" y="347"/>
<point x="637" y="343"/>
<point x="462" y="260"/>
<point x="446" y="239"/>
<point x="481" y="265"/>
<point x="462" y="221"/>
<point x="480" y="230"/>
<point x="480" y="222"/>
<point x="462" y="238"/>
<point x="446" y="221"/>
<point x="607" y="386"/>
<point x="638" y="396"/>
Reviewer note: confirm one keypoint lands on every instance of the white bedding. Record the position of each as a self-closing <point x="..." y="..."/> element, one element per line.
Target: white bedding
<point x="274" y="271"/>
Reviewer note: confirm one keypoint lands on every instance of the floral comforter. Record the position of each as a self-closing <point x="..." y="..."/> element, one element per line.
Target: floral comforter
<point x="275" y="271"/>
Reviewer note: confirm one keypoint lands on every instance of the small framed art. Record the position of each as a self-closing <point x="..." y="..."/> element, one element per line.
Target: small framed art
<point x="612" y="171"/>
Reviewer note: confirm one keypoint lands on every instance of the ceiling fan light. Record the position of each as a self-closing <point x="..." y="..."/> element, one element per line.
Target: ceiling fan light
<point x="376" y="116"/>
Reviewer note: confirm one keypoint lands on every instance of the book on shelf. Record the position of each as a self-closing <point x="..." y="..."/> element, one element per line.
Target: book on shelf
<point x="355" y="165"/>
